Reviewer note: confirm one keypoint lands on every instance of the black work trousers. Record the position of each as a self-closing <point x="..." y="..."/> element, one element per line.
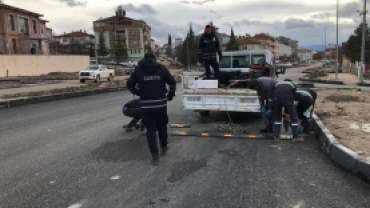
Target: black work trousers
<point x="152" y="122"/>
<point x="304" y="110"/>
<point x="215" y="65"/>
<point x="289" y="109"/>
<point x="135" y="114"/>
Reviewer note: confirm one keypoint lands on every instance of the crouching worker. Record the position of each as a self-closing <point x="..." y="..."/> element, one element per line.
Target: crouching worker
<point x="304" y="102"/>
<point x="284" y="96"/>
<point x="132" y="109"/>
<point x="265" y="87"/>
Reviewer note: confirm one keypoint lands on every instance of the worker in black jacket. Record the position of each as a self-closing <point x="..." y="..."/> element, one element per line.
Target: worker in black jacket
<point x="304" y="102"/>
<point x="265" y="87"/>
<point x="152" y="78"/>
<point x="132" y="109"/>
<point x="284" y="96"/>
<point x="209" y="52"/>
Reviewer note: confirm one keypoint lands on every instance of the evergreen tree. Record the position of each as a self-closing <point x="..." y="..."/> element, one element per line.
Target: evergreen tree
<point x="232" y="45"/>
<point x="189" y="52"/>
<point x="120" y="50"/>
<point x="102" y="50"/>
<point x="169" y="52"/>
<point x="354" y="43"/>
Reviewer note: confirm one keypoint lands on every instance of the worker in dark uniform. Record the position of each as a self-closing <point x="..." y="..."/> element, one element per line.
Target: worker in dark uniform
<point x="304" y="102"/>
<point x="132" y="109"/>
<point x="209" y="50"/>
<point x="265" y="87"/>
<point x="284" y="96"/>
<point x="152" y="79"/>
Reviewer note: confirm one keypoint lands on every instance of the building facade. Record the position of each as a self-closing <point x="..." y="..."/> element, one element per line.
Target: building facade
<point x="76" y="37"/>
<point x="20" y="30"/>
<point x="249" y="43"/>
<point x="285" y="50"/>
<point x="135" y="34"/>
<point x="305" y="54"/>
<point x="292" y="43"/>
<point x="271" y="43"/>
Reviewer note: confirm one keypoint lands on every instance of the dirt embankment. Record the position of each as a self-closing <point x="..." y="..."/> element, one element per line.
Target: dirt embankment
<point x="346" y="113"/>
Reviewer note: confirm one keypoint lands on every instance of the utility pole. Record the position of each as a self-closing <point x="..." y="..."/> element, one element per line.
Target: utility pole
<point x="337" y="62"/>
<point x="325" y="49"/>
<point x="322" y="44"/>
<point x="363" y="13"/>
<point x="187" y="51"/>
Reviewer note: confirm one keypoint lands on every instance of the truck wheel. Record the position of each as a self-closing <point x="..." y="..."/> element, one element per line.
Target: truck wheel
<point x="110" y="78"/>
<point x="204" y="113"/>
<point x="82" y="81"/>
<point x="97" y="79"/>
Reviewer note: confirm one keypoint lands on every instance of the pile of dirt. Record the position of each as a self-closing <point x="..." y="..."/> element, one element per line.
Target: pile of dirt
<point x="346" y="114"/>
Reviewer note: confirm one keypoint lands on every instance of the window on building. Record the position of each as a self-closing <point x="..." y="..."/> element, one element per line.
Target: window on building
<point x="11" y="23"/>
<point x="34" y="26"/>
<point x="14" y="42"/>
<point x="23" y="25"/>
<point x="121" y="32"/>
<point x="131" y="51"/>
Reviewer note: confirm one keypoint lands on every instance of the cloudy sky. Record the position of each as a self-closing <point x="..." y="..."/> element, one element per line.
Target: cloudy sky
<point x="301" y="20"/>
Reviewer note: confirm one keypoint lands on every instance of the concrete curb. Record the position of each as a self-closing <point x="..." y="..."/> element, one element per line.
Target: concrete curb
<point x="60" y="96"/>
<point x="340" y="154"/>
<point x="322" y="81"/>
<point x="363" y="84"/>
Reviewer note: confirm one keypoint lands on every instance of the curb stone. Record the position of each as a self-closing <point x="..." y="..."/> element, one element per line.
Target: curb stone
<point x="363" y="84"/>
<point x="322" y="81"/>
<point x="340" y="154"/>
<point x="60" y="96"/>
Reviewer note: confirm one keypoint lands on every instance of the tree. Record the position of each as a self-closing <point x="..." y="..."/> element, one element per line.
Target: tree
<point x="232" y="45"/>
<point x="102" y="50"/>
<point x="354" y="43"/>
<point x="169" y="52"/>
<point x="189" y="52"/>
<point x="214" y="28"/>
<point x="120" y="50"/>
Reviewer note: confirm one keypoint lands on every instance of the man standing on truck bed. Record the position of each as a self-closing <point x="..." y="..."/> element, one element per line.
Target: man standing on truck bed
<point x="209" y="49"/>
<point x="152" y="79"/>
<point x="265" y="87"/>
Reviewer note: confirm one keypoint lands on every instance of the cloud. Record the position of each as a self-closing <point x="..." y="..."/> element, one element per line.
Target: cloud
<point x="349" y="9"/>
<point x="212" y="11"/>
<point x="73" y="3"/>
<point x="197" y="2"/>
<point x="141" y="9"/>
<point x="322" y="15"/>
<point x="244" y="22"/>
<point x="295" y="23"/>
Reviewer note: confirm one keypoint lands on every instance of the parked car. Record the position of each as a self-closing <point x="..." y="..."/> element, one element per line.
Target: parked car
<point x="130" y="69"/>
<point x="286" y="64"/>
<point x="96" y="73"/>
<point x="110" y="61"/>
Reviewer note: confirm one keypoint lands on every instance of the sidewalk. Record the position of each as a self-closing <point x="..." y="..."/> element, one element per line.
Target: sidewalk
<point x="347" y="78"/>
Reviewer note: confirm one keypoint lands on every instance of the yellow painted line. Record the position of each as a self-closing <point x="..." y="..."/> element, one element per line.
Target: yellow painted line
<point x="182" y="133"/>
<point x="180" y="126"/>
<point x="205" y="134"/>
<point x="252" y="136"/>
<point x="227" y="135"/>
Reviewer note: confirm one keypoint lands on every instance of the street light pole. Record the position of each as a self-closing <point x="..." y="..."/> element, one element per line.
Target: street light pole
<point x="322" y="44"/>
<point x="325" y="48"/>
<point x="337" y="62"/>
<point x="363" y="13"/>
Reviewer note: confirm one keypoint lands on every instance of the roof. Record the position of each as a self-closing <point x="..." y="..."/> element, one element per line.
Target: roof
<point x="114" y="18"/>
<point x="247" y="40"/>
<point x="303" y="50"/>
<point x="5" y="6"/>
<point x="42" y="20"/>
<point x="76" y="34"/>
<point x="263" y="36"/>
<point x="152" y="39"/>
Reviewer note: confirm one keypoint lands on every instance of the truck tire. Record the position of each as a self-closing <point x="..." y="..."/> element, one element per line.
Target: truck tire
<point x="204" y="113"/>
<point x="82" y="81"/>
<point x="97" y="79"/>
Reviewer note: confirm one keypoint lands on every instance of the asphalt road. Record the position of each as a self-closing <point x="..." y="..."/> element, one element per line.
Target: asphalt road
<point x="74" y="153"/>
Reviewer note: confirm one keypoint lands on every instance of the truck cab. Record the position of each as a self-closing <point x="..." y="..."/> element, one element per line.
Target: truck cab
<point x="237" y="67"/>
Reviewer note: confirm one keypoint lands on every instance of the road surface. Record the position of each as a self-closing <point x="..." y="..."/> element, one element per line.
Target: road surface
<point x="74" y="153"/>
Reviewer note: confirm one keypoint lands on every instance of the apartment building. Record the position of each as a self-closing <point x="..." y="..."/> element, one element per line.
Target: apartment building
<point x="287" y="41"/>
<point x="271" y="43"/>
<point x="136" y="34"/>
<point x="285" y="50"/>
<point x="249" y="43"/>
<point x="20" y="30"/>
<point x="76" y="37"/>
<point x="305" y="54"/>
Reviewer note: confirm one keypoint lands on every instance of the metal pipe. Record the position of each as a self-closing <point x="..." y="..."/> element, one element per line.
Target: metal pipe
<point x="325" y="49"/>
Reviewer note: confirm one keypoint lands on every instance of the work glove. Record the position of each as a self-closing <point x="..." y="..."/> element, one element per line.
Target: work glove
<point x="264" y="110"/>
<point x="170" y="96"/>
<point x="134" y="91"/>
<point x="268" y="114"/>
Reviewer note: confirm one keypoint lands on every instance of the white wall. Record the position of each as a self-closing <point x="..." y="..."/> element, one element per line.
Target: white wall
<point x="285" y="50"/>
<point x="305" y="56"/>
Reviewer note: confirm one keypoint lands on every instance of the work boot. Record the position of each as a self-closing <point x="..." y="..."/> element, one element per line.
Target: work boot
<point x="266" y="130"/>
<point x="276" y="138"/>
<point x="164" y="150"/>
<point x="297" y="140"/>
<point x="129" y="129"/>
<point x="155" y="158"/>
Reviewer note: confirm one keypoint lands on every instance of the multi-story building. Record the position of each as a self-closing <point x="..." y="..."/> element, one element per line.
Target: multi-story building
<point x="76" y="37"/>
<point x="20" y="30"/>
<point x="285" y="50"/>
<point x="305" y="54"/>
<point x="50" y="35"/>
<point x="152" y="44"/>
<point x="248" y="43"/>
<point x="270" y="42"/>
<point x="134" y="33"/>
<point x="287" y="41"/>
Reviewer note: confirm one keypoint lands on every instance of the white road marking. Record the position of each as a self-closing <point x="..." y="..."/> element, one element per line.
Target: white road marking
<point x="115" y="177"/>
<point x="299" y="205"/>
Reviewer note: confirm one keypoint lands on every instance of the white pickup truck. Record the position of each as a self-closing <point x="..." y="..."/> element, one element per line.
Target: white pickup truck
<point x="242" y="66"/>
<point x="96" y="73"/>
